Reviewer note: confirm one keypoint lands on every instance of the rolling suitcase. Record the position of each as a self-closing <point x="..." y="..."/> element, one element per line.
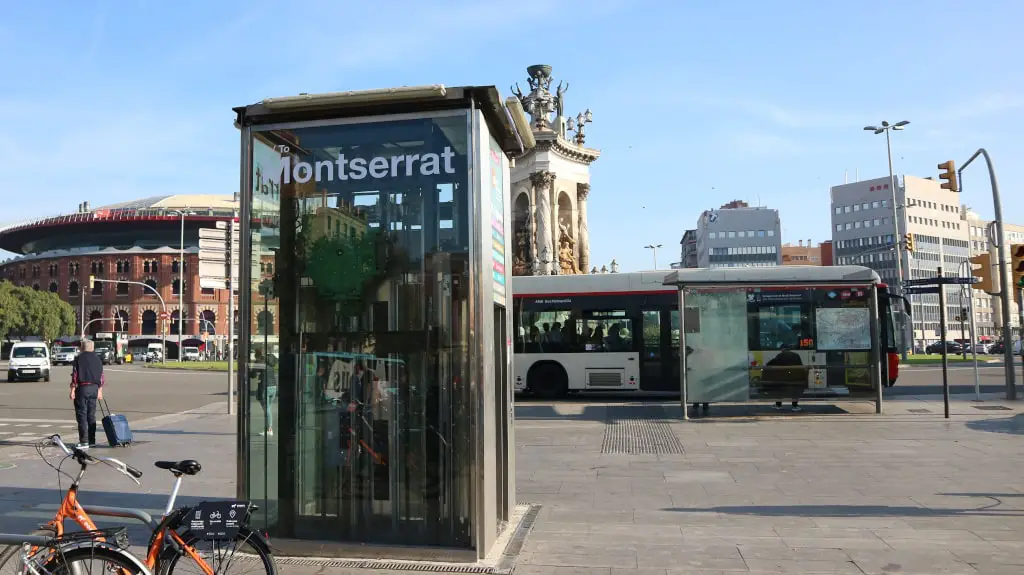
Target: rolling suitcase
<point x="115" y="425"/>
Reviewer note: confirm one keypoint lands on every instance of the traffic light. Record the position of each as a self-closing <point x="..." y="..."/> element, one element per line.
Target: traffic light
<point x="92" y="282"/>
<point x="909" y="238"/>
<point x="1017" y="253"/>
<point x="981" y="269"/>
<point x="949" y="175"/>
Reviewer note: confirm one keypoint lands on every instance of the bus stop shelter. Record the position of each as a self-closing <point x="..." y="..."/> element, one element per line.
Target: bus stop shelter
<point x="781" y="334"/>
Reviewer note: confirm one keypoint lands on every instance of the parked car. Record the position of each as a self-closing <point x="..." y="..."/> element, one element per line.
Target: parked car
<point x="190" y="354"/>
<point x="940" y="347"/>
<point x="106" y="355"/>
<point x="65" y="355"/>
<point x="29" y="360"/>
<point x="980" y="348"/>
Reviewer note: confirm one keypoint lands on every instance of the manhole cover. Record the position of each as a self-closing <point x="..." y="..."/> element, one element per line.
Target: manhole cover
<point x="992" y="407"/>
<point x="919" y="410"/>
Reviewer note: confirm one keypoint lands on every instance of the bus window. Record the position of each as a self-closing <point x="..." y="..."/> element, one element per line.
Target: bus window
<point x="606" y="331"/>
<point x="548" y="331"/>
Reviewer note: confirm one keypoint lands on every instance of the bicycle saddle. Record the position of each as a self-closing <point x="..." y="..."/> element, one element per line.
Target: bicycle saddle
<point x="184" y="467"/>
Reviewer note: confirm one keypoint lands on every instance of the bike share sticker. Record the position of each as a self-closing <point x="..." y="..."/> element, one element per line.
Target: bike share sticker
<point x="217" y="519"/>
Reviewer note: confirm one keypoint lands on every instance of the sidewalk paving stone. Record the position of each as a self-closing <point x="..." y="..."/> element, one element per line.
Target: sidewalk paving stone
<point x="898" y="493"/>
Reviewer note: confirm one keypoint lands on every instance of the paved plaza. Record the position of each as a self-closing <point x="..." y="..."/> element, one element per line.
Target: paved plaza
<point x="629" y="488"/>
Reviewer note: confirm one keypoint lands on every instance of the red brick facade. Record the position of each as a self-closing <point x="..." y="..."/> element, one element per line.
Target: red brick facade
<point x="69" y="275"/>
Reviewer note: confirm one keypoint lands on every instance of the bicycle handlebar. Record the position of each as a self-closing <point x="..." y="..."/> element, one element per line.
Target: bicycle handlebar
<point x="85" y="458"/>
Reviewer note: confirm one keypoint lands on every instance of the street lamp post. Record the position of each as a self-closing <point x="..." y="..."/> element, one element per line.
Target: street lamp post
<point x="654" y="253"/>
<point x="163" y="306"/>
<point x="886" y="127"/>
<point x="181" y="277"/>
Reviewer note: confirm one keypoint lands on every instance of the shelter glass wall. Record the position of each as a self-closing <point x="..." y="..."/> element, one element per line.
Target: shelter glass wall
<point x="358" y="403"/>
<point x="780" y="344"/>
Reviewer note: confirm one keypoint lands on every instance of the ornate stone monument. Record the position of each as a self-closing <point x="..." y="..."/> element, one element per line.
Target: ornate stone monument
<point x="550" y="184"/>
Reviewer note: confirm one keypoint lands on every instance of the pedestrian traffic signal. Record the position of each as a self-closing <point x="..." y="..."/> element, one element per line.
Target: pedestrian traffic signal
<point x="981" y="269"/>
<point x="909" y="238"/>
<point x="1017" y="253"/>
<point x="949" y="174"/>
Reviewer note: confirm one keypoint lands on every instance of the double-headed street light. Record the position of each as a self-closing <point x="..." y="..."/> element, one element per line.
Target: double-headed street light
<point x="654" y="252"/>
<point x="886" y="127"/>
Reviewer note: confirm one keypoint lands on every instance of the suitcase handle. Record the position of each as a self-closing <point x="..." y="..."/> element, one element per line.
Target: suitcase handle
<point x="104" y="408"/>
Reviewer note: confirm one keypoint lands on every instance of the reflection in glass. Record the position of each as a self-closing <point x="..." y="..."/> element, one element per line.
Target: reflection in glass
<point x="362" y="316"/>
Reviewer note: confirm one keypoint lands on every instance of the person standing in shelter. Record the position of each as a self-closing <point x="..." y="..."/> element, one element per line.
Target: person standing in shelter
<point x="86" y="390"/>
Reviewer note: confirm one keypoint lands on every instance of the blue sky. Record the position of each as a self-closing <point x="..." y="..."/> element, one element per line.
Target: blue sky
<point x="695" y="103"/>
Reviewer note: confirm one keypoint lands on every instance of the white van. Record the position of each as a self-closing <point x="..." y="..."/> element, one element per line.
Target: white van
<point x="29" y="360"/>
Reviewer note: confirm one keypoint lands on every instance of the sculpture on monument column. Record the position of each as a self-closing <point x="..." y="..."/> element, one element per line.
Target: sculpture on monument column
<point x="539" y="103"/>
<point x="520" y="257"/>
<point x="567" y="253"/>
<point x="560" y="98"/>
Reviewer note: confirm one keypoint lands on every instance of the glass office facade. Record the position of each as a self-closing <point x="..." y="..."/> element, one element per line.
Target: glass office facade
<point x="371" y="396"/>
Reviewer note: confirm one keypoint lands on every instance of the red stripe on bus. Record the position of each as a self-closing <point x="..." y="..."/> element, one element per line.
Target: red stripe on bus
<point x="663" y="292"/>
<point x="592" y="293"/>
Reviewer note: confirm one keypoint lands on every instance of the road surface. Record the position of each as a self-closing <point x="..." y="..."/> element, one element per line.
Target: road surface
<point x="30" y="410"/>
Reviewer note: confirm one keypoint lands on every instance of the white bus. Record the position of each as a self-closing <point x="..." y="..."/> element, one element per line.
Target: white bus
<point x="620" y="332"/>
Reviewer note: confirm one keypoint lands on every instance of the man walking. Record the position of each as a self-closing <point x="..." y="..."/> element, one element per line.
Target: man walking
<point x="86" y="390"/>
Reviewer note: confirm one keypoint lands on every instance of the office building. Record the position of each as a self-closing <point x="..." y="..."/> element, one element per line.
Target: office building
<point x="801" y="254"/>
<point x="737" y="235"/>
<point x="688" y="257"/>
<point x="863" y="234"/>
<point x="987" y="309"/>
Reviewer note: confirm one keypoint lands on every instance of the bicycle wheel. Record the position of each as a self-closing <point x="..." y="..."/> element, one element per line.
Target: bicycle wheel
<point x="10" y="557"/>
<point x="95" y="560"/>
<point x="248" y="553"/>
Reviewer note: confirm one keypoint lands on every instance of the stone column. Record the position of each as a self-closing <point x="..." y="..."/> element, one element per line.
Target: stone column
<point x="542" y="190"/>
<point x="583" y="236"/>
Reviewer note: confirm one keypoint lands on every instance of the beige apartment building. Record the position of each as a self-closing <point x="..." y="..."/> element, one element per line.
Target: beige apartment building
<point x="801" y="254"/>
<point x="945" y="233"/>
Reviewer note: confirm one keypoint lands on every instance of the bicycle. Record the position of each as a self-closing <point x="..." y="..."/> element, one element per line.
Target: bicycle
<point x="71" y="553"/>
<point x="177" y="533"/>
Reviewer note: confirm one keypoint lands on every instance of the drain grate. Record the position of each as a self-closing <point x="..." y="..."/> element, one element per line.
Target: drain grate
<point x="641" y="430"/>
<point x="992" y="407"/>
<point x="510" y="555"/>
<point x="920" y="410"/>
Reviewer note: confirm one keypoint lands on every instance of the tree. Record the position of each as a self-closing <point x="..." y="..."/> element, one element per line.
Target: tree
<point x="12" y="312"/>
<point x="28" y="312"/>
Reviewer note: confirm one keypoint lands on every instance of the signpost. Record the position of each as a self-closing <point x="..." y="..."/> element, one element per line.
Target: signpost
<point x="934" y="285"/>
<point x="218" y="269"/>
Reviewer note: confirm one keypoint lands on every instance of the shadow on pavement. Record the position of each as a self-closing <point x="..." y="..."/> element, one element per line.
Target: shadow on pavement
<point x="23" y="509"/>
<point x="1010" y="425"/>
<point x="177" y="432"/>
<point x="852" y="510"/>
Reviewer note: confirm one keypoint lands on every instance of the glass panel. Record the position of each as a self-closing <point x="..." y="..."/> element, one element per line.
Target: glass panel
<point x="363" y="232"/>
<point x="717" y="364"/>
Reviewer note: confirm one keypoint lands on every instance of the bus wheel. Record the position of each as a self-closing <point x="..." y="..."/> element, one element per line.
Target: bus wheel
<point x="548" y="381"/>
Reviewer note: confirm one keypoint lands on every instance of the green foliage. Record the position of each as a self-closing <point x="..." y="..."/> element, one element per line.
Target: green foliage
<point x="25" y="311"/>
<point x="12" y="312"/>
<point x="341" y="266"/>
